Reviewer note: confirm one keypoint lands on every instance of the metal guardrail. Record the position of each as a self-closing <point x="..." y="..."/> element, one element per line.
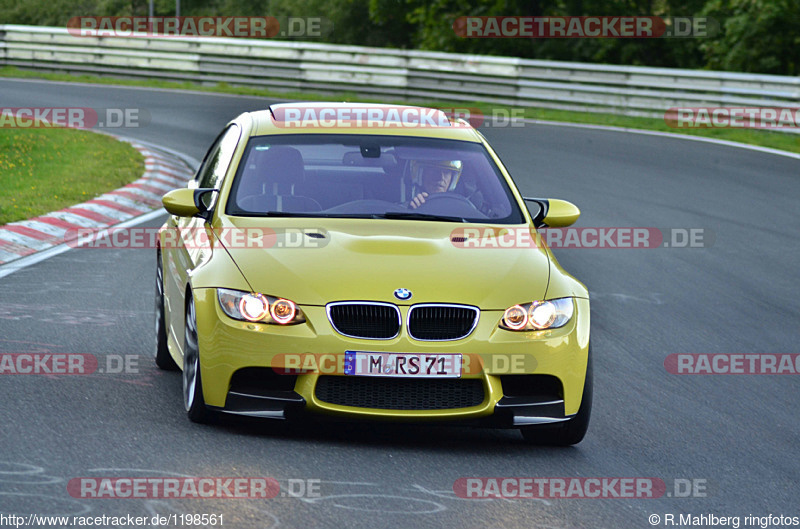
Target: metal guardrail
<point x="399" y="74"/>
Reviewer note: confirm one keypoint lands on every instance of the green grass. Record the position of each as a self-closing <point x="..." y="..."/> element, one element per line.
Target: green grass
<point x="775" y="140"/>
<point x="42" y="170"/>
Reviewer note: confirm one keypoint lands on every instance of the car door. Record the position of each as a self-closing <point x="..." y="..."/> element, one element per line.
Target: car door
<point x="190" y="242"/>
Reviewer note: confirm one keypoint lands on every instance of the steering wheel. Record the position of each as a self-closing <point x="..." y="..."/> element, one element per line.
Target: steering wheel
<point x="449" y="198"/>
<point x="252" y="202"/>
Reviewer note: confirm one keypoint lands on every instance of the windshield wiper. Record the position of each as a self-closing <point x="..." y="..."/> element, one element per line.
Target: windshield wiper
<point x="281" y="214"/>
<point x="409" y="215"/>
<point x="404" y="215"/>
<point x="314" y="214"/>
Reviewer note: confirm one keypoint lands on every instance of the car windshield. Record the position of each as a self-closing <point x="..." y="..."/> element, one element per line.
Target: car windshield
<point x="325" y="175"/>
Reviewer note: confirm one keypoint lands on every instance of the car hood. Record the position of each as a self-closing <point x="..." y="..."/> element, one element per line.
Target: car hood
<point x="365" y="259"/>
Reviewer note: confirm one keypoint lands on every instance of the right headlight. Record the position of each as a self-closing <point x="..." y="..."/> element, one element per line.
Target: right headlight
<point x="538" y="315"/>
<point x="257" y="307"/>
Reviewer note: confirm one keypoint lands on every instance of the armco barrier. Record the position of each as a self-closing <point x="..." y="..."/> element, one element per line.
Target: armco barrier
<point x="398" y="74"/>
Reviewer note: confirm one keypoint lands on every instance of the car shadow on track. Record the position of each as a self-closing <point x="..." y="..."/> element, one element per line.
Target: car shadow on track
<point x="428" y="437"/>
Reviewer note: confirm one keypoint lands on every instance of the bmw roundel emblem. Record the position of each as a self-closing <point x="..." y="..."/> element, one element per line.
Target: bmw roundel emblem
<point x="402" y="293"/>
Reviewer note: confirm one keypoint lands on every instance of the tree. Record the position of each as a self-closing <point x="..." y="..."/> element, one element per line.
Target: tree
<point x="757" y="36"/>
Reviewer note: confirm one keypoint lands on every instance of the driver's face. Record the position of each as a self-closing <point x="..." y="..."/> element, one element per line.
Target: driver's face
<point x="436" y="180"/>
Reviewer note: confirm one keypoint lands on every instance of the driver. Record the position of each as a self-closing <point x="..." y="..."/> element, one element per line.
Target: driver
<point x="434" y="176"/>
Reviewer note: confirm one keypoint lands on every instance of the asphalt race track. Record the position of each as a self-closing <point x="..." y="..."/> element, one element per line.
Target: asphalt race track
<point x="735" y="435"/>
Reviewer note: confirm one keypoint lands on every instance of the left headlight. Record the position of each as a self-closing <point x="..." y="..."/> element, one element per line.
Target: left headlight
<point x="538" y="315"/>
<point x="257" y="307"/>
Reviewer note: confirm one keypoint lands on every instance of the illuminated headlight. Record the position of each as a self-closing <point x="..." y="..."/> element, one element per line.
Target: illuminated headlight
<point x="256" y="307"/>
<point x="515" y="318"/>
<point x="253" y="307"/>
<point x="538" y="315"/>
<point x="283" y="311"/>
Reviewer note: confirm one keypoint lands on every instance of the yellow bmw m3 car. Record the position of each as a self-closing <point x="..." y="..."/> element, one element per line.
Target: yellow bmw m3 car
<point x="369" y="262"/>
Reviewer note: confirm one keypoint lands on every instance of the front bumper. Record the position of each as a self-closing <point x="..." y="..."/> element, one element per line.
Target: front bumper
<point x="509" y="411"/>
<point x="527" y="377"/>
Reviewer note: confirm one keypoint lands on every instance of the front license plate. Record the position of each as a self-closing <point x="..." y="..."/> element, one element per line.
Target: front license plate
<point x="402" y="364"/>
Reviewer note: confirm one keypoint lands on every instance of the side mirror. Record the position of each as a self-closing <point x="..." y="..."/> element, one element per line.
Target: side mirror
<point x="188" y="202"/>
<point x="553" y="213"/>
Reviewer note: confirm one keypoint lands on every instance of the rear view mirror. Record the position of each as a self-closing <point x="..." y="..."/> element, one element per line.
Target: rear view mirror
<point x="357" y="159"/>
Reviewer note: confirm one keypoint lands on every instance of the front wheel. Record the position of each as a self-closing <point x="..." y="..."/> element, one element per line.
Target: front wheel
<point x="193" y="400"/>
<point x="569" y="432"/>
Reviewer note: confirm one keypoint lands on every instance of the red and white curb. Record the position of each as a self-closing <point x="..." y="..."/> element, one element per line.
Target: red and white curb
<point x="163" y="172"/>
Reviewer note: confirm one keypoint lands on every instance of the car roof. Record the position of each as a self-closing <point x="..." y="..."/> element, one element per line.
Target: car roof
<point x="359" y="118"/>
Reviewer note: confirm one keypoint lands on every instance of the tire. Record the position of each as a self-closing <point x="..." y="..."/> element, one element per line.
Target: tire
<point x="569" y="432"/>
<point x="193" y="400"/>
<point x="164" y="360"/>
